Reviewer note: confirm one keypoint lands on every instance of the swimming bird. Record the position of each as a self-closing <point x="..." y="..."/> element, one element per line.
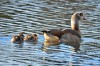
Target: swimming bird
<point x="50" y="39"/>
<point x="73" y="34"/>
<point x="18" y="38"/>
<point x="31" y="37"/>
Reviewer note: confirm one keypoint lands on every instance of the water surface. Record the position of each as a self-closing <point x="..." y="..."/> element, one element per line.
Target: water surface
<point x="35" y="15"/>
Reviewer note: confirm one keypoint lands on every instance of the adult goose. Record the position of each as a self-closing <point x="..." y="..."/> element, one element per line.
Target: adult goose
<point x="72" y="35"/>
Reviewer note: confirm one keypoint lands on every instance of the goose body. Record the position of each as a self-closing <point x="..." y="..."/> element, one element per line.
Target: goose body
<point x="50" y="39"/>
<point x="70" y="35"/>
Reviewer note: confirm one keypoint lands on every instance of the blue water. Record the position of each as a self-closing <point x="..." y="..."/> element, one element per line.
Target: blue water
<point x="32" y="16"/>
<point x="34" y="54"/>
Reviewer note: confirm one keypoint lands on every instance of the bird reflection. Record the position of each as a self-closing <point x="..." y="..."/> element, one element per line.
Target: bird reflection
<point x="49" y="47"/>
<point x="18" y="45"/>
<point x="76" y="46"/>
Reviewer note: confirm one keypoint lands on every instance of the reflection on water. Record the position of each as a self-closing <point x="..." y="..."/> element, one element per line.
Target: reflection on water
<point x="32" y="16"/>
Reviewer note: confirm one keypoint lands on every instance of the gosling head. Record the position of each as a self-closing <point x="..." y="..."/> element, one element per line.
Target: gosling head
<point x="31" y="37"/>
<point x="18" y="38"/>
<point x="21" y="34"/>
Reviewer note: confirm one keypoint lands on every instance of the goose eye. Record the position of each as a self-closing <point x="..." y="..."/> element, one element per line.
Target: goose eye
<point x="81" y="14"/>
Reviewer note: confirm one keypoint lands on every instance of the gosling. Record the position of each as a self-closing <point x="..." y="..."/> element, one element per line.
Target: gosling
<point x="18" y="38"/>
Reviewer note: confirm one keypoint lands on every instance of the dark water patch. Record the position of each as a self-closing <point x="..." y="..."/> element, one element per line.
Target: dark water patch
<point x="2" y="15"/>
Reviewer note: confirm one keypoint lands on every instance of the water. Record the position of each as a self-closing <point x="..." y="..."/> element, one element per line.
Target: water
<point x="35" y="15"/>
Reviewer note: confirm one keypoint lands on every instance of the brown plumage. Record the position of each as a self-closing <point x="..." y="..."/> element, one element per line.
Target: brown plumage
<point x="70" y="35"/>
<point x="50" y="39"/>
<point x="31" y="37"/>
<point x="18" y="38"/>
<point x="57" y="32"/>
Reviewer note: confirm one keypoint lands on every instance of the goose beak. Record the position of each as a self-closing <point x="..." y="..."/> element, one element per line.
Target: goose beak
<point x="84" y="18"/>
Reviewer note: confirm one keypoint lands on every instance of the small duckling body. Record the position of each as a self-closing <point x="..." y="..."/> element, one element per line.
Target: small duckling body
<point x="31" y="37"/>
<point x="18" y="38"/>
<point x="50" y="39"/>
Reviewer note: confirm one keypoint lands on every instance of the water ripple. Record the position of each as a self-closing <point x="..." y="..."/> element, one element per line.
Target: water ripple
<point x="35" y="15"/>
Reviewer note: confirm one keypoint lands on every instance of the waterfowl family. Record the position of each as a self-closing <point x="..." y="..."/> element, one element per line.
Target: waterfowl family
<point x="50" y="39"/>
<point x="18" y="38"/>
<point x="70" y="35"/>
<point x="31" y="37"/>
